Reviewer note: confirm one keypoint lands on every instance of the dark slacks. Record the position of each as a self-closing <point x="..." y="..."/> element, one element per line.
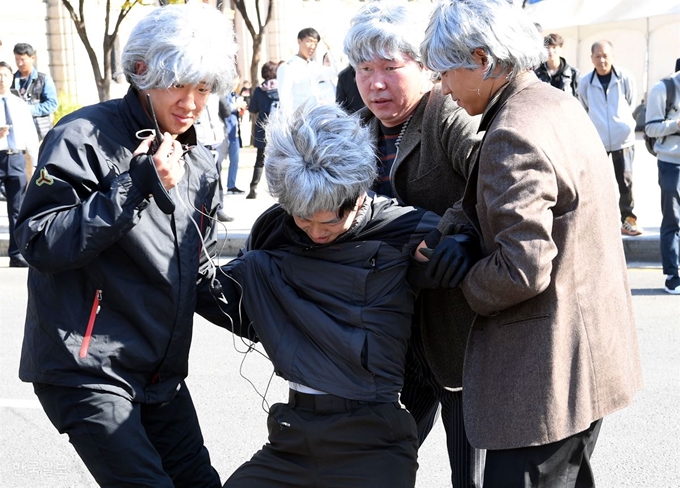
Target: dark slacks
<point x="13" y="176"/>
<point x="623" y="170"/>
<point x="563" y="464"/>
<point x="132" y="444"/>
<point x="336" y="443"/>
<point x="669" y="181"/>
<point x="422" y="395"/>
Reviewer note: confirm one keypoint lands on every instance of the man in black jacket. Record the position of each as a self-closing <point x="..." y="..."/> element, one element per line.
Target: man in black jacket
<point x="555" y="69"/>
<point x="324" y="284"/>
<point x="115" y="229"/>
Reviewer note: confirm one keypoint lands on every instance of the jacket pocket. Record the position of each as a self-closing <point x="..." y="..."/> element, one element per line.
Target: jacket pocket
<point x="525" y="320"/>
<point x="90" y="323"/>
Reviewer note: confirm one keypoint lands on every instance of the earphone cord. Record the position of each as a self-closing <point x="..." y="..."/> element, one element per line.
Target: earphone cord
<point x="250" y="346"/>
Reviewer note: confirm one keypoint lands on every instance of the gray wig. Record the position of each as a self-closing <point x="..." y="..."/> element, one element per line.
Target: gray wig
<point x="318" y="159"/>
<point x="383" y="29"/>
<point x="503" y="31"/>
<point x="181" y="45"/>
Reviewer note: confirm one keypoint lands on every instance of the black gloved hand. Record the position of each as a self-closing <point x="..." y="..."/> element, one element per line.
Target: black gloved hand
<point x="433" y="238"/>
<point x="145" y="178"/>
<point x="453" y="257"/>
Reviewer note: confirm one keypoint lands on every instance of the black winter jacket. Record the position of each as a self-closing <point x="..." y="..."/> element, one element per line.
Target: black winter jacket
<point x="566" y="78"/>
<point x="336" y="317"/>
<point x="113" y="283"/>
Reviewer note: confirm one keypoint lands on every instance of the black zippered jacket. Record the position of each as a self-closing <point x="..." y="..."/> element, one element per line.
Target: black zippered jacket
<point x="336" y="317"/>
<point x="113" y="282"/>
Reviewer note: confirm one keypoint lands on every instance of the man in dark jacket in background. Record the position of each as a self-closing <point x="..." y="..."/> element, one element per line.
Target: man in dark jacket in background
<point x="263" y="104"/>
<point x="324" y="283"/>
<point x="555" y="70"/>
<point x="346" y="93"/>
<point x="119" y="265"/>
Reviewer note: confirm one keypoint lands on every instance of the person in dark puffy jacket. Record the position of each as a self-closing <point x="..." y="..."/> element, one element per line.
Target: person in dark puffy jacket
<point x="263" y="103"/>
<point x="325" y="287"/>
<point x="118" y="233"/>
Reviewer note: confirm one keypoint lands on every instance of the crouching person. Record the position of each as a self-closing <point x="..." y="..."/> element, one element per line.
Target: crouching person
<point x="324" y="278"/>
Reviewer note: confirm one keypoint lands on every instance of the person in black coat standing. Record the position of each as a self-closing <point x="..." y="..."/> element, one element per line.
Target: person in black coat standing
<point x="346" y="93"/>
<point x="264" y="101"/>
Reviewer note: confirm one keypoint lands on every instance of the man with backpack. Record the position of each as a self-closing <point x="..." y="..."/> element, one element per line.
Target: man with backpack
<point x="662" y="123"/>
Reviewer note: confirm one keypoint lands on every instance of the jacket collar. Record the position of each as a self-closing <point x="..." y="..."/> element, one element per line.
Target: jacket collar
<point x="506" y="92"/>
<point x="276" y="228"/>
<point x="615" y="74"/>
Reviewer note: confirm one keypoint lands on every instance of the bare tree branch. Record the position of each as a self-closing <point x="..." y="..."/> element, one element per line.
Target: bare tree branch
<point x="257" y="35"/>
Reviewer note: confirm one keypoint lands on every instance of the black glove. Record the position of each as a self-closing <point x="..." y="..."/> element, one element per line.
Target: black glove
<point x="453" y="257"/>
<point x="433" y="238"/>
<point x="145" y="178"/>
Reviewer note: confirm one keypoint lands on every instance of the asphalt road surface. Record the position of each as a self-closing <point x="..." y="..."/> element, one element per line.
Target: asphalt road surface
<point x="639" y="447"/>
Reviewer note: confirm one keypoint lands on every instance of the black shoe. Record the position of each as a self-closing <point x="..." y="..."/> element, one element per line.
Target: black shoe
<point x="252" y="194"/>
<point x="222" y="217"/>
<point x="672" y="285"/>
<point x="234" y="191"/>
<point x="18" y="262"/>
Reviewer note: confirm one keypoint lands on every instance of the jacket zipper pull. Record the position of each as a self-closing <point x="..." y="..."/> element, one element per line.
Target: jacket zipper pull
<point x="90" y="324"/>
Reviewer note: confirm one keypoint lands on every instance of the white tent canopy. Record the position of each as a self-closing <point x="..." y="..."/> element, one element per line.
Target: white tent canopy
<point x="554" y="14"/>
<point x="645" y="34"/>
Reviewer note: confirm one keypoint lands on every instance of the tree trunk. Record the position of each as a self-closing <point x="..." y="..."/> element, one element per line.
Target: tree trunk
<point x="103" y="81"/>
<point x="255" y="62"/>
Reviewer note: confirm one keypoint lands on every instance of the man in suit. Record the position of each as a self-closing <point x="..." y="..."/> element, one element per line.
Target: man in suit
<point x="18" y="138"/>
<point x="424" y="142"/>
<point x="553" y="348"/>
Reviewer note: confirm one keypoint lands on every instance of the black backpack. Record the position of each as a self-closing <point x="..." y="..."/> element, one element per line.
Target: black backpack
<point x="670" y="100"/>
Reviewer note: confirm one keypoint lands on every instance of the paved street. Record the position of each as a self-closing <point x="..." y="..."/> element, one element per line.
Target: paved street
<point x="638" y="446"/>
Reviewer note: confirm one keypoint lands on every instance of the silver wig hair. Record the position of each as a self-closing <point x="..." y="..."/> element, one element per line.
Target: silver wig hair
<point x="503" y="31"/>
<point x="182" y="45"/>
<point x="318" y="159"/>
<point x="384" y="28"/>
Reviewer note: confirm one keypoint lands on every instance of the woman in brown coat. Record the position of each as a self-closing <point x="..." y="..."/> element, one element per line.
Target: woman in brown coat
<point x="553" y="348"/>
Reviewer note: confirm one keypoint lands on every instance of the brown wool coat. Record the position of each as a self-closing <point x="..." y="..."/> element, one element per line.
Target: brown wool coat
<point x="431" y="171"/>
<point x="554" y="346"/>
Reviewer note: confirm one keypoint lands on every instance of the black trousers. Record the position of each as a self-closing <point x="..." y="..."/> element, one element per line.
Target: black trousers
<point x="563" y="464"/>
<point x="422" y="395"/>
<point x="13" y="176"/>
<point x="623" y="170"/>
<point x="132" y="444"/>
<point x="330" y="442"/>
